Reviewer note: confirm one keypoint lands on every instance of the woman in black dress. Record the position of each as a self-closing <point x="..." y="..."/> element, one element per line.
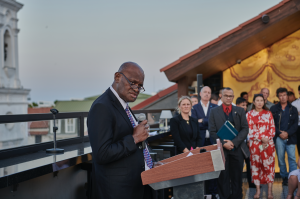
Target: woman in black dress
<point x="184" y="128"/>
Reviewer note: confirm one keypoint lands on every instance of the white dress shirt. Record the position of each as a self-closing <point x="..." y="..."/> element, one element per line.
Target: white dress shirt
<point x="205" y="109"/>
<point x="296" y="104"/>
<point x="124" y="105"/>
<point x="220" y="103"/>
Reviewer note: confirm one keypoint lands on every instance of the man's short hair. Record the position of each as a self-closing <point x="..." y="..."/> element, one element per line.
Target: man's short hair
<point x="263" y="89"/>
<point x="226" y="88"/>
<point x="194" y="96"/>
<point x="290" y="93"/>
<point x="214" y="97"/>
<point x="281" y="90"/>
<point x="240" y="100"/>
<point x="244" y="93"/>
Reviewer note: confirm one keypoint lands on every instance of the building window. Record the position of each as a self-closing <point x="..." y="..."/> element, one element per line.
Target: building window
<point x="70" y="125"/>
<point x="85" y="126"/>
<point x="57" y="124"/>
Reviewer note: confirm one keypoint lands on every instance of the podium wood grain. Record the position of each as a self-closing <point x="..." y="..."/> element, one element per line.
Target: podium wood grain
<point x="180" y="166"/>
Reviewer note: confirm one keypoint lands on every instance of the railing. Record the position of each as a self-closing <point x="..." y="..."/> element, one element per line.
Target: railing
<point x="80" y="136"/>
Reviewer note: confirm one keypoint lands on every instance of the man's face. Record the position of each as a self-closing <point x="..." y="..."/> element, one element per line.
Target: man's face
<point x="291" y="98"/>
<point x="283" y="98"/>
<point x="245" y="96"/>
<point x="227" y="97"/>
<point x="205" y="94"/>
<point x="124" y="89"/>
<point x="243" y="105"/>
<point x="265" y="93"/>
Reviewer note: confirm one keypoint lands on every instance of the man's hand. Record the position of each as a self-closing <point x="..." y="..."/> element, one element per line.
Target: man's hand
<point x="185" y="150"/>
<point x="228" y="145"/>
<point x="140" y="132"/>
<point x="284" y="135"/>
<point x="265" y="140"/>
<point x="200" y="120"/>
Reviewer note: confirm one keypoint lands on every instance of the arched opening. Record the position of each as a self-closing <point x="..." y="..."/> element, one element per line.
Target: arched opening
<point x="7" y="53"/>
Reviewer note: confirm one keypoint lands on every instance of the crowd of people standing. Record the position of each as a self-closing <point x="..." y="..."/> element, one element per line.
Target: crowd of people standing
<point x="263" y="127"/>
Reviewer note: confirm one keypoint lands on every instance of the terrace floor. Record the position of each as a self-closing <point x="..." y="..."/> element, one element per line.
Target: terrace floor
<point x="279" y="191"/>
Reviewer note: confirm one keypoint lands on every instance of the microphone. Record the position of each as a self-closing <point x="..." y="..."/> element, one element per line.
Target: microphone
<point x="141" y="118"/>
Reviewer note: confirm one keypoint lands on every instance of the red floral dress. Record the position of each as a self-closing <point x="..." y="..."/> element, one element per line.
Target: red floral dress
<point x="261" y="125"/>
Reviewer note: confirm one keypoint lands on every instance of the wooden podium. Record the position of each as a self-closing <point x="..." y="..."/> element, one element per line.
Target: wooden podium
<point x="186" y="173"/>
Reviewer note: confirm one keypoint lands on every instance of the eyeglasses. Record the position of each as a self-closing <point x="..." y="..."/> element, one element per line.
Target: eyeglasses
<point x="133" y="85"/>
<point x="228" y="96"/>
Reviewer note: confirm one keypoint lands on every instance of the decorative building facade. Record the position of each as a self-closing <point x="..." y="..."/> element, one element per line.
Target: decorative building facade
<point x="13" y="97"/>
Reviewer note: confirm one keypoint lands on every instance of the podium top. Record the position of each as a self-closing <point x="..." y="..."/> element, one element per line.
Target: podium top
<point x="182" y="165"/>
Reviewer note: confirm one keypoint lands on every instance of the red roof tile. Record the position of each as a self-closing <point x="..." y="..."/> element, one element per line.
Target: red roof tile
<point x="156" y="97"/>
<point x="36" y="110"/>
<point x="223" y="36"/>
<point x="38" y="124"/>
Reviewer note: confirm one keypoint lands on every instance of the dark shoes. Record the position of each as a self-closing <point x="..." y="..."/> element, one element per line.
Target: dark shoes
<point x="284" y="181"/>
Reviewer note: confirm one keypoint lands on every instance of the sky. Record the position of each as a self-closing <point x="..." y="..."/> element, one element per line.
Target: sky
<point x="71" y="49"/>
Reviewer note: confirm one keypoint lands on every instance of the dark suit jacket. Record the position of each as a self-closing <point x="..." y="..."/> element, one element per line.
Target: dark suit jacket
<point x="117" y="160"/>
<point x="217" y="119"/>
<point x="179" y="132"/>
<point x="198" y="113"/>
<point x="292" y="123"/>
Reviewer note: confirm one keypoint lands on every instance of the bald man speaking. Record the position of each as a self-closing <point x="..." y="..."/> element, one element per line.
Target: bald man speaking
<point x="116" y="138"/>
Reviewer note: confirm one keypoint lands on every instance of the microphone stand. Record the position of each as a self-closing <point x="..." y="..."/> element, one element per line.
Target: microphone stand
<point x="54" y="150"/>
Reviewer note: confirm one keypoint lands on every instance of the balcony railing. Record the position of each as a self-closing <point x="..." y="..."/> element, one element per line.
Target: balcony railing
<point x="27" y="133"/>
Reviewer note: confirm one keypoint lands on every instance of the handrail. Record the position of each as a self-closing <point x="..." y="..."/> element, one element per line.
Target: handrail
<point x="10" y="152"/>
<point x="39" y="117"/>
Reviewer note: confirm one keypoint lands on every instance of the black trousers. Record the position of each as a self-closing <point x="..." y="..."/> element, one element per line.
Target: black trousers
<point x="249" y="175"/>
<point x="230" y="179"/>
<point x="211" y="186"/>
<point x="298" y="139"/>
<point x="149" y="193"/>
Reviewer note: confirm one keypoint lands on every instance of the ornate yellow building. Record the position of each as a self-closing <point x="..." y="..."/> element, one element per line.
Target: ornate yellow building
<point x="273" y="67"/>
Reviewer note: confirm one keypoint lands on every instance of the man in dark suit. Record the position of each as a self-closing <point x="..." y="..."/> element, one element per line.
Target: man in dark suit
<point x="116" y="138"/>
<point x="234" y="158"/>
<point x="201" y="112"/>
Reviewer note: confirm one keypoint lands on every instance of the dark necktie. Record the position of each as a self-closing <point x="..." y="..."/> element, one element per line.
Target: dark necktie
<point x="227" y="111"/>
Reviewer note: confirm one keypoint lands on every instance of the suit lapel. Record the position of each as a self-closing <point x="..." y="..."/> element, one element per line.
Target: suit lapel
<point x="119" y="107"/>
<point x="234" y="115"/>
<point x="201" y="109"/>
<point x="194" y="129"/>
<point x="222" y="116"/>
<point x="208" y="110"/>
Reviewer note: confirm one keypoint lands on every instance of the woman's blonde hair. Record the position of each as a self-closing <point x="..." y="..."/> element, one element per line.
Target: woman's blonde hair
<point x="180" y="100"/>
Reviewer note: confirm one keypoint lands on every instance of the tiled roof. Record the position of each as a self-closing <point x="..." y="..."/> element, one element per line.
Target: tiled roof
<point x="36" y="110"/>
<point x="156" y="97"/>
<point x="223" y="36"/>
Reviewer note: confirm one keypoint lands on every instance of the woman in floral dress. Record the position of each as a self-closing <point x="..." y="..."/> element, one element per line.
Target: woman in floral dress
<point x="261" y="145"/>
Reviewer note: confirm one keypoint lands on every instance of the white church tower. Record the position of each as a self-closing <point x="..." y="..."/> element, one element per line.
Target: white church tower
<point x="13" y="97"/>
